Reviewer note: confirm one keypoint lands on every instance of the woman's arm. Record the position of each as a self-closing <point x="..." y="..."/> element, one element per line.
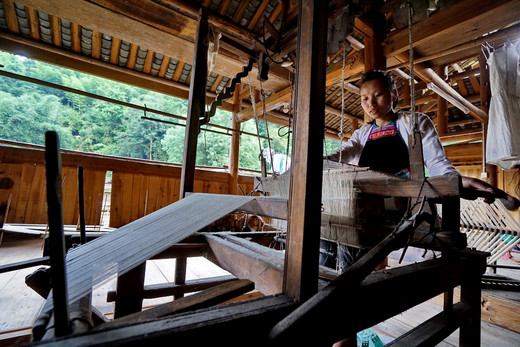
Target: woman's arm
<point x="473" y="188"/>
<point x="434" y="156"/>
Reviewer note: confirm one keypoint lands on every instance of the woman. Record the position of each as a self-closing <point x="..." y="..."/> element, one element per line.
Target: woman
<point x="382" y="145"/>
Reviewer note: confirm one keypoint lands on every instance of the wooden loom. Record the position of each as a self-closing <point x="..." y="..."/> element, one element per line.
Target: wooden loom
<point x="292" y="313"/>
<point x="275" y="318"/>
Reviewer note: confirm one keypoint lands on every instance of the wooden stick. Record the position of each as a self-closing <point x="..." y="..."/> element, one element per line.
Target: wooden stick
<point x="56" y="240"/>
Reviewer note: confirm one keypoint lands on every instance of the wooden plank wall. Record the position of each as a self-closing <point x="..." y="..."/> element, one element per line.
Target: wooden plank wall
<point x="137" y="187"/>
<point x="508" y="181"/>
<point x="28" y="195"/>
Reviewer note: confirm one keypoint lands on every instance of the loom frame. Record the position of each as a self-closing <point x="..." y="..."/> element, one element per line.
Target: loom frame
<point x="252" y="320"/>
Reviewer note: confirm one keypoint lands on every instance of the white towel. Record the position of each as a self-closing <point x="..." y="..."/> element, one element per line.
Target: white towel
<point x="503" y="137"/>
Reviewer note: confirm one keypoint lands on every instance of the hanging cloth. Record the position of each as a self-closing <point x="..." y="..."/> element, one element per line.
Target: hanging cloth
<point x="503" y="137"/>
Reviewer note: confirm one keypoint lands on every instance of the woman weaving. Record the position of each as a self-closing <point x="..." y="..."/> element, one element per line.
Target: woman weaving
<point x="382" y="145"/>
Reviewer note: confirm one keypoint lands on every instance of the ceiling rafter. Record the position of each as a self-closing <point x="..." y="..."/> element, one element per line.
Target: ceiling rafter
<point x="461" y="22"/>
<point x="144" y="32"/>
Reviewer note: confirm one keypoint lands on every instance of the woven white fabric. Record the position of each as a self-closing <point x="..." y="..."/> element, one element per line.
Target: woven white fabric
<point x="503" y="137"/>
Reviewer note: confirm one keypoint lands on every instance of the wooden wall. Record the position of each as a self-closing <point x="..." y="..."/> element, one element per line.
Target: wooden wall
<point x="137" y="187"/>
<point x="28" y="194"/>
<point x="508" y="181"/>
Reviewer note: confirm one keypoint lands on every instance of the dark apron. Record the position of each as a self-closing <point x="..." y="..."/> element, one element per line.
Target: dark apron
<point x="387" y="154"/>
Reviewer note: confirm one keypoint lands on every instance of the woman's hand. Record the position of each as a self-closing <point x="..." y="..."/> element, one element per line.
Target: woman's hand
<point x="473" y="188"/>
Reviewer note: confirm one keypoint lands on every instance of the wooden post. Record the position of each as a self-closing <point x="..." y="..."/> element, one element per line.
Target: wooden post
<point x="301" y="261"/>
<point x="56" y="239"/>
<point x="180" y="273"/>
<point x="81" y="198"/>
<point x="130" y="288"/>
<point x="470" y="294"/>
<point x="196" y="103"/>
<point x="235" y="143"/>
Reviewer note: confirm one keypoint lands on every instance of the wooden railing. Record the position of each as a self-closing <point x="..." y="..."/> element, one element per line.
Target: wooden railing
<point x="136" y="187"/>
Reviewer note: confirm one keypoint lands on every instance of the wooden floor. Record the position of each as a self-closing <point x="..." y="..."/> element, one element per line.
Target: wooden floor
<point x="20" y="305"/>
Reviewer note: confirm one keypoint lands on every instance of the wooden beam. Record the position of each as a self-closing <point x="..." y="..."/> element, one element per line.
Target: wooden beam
<point x="130" y="64"/>
<point x="374" y="24"/>
<point x="242" y="321"/>
<point x="428" y="75"/>
<point x="148" y="61"/>
<point x="75" y="35"/>
<point x="34" y="26"/>
<point x="434" y="330"/>
<point x="372" y="182"/>
<point x="57" y="254"/>
<point x="164" y="66"/>
<point x="301" y="264"/>
<point x="145" y="32"/>
<point x="239" y="12"/>
<point x="10" y="16"/>
<point x="461" y="22"/>
<point x="153" y="291"/>
<point x="354" y="64"/>
<point x="276" y="100"/>
<point x="205" y="298"/>
<point x="489" y="170"/>
<point x="55" y="30"/>
<point x="272" y="102"/>
<point x="462" y="136"/>
<point x="266" y="272"/>
<point x="196" y="104"/>
<point x="429" y="278"/>
<point x="258" y="14"/>
<point x="96" y="44"/>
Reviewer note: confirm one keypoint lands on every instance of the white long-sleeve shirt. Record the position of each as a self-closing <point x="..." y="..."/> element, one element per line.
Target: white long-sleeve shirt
<point x="434" y="157"/>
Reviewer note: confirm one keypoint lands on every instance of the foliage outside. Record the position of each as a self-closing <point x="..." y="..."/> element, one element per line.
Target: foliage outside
<point x="86" y="124"/>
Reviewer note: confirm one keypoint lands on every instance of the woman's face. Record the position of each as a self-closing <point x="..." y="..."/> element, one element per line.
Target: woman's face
<point x="376" y="101"/>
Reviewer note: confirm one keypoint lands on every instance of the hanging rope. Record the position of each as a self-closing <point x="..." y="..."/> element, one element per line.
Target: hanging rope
<point x="262" y="93"/>
<point x="253" y="102"/>
<point x="341" y="134"/>
<point x="412" y="68"/>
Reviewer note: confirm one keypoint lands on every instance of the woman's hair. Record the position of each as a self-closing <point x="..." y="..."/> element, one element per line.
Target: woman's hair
<point x="384" y="76"/>
<point x="374" y="75"/>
